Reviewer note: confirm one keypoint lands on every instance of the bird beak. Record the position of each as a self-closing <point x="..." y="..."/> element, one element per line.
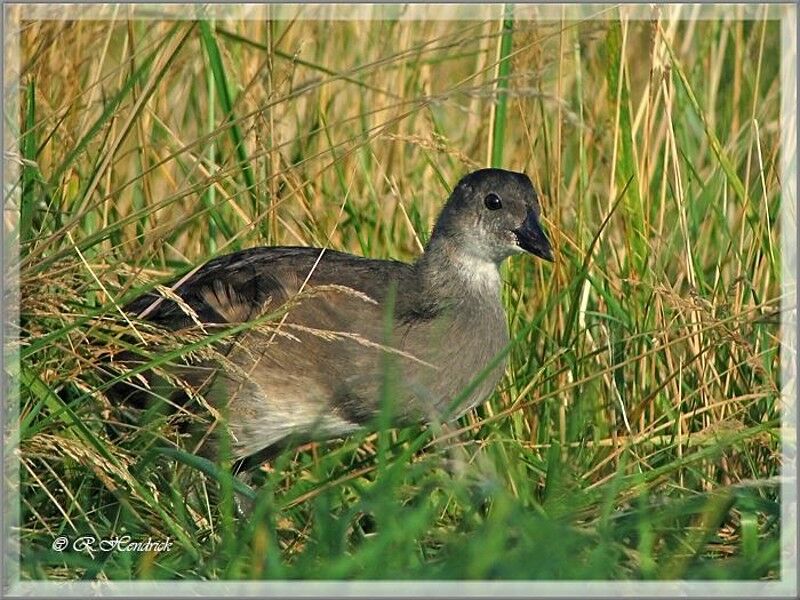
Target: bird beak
<point x="531" y="238"/>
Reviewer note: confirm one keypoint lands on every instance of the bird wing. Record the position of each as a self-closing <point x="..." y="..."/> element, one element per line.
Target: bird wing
<point x="239" y="287"/>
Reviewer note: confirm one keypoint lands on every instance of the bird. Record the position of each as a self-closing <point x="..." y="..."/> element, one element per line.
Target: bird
<point x="351" y="331"/>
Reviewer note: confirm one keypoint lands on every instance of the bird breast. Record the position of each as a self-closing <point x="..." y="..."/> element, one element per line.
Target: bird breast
<point x="467" y="352"/>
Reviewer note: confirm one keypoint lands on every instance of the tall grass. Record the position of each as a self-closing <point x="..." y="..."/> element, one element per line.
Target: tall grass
<point x="636" y="433"/>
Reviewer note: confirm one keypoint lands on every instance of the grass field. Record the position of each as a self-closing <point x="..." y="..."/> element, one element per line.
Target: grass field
<point x="636" y="434"/>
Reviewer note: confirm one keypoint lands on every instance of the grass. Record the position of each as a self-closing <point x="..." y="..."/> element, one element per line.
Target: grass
<point x="636" y="434"/>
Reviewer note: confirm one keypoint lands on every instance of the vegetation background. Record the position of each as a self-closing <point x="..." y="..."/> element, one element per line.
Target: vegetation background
<point x="636" y="433"/>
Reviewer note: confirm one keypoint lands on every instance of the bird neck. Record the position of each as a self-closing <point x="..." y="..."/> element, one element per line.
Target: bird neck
<point x="448" y="271"/>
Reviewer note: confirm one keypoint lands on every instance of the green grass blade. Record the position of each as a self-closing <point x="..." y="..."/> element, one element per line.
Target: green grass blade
<point x="226" y="101"/>
<point x="626" y="167"/>
<point x="209" y="468"/>
<point x="577" y="283"/>
<point x="722" y="156"/>
<point x="498" y="124"/>
<point x="28" y="147"/>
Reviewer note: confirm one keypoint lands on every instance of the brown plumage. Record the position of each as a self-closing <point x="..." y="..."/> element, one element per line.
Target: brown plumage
<point x="425" y="330"/>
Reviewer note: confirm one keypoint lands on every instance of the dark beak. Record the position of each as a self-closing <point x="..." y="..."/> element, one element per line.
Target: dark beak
<point x="531" y="238"/>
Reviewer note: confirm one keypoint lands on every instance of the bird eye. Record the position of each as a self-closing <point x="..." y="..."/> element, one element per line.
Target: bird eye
<point x="492" y="201"/>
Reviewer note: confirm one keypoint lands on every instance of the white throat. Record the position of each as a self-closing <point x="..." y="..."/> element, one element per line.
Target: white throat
<point x="476" y="274"/>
